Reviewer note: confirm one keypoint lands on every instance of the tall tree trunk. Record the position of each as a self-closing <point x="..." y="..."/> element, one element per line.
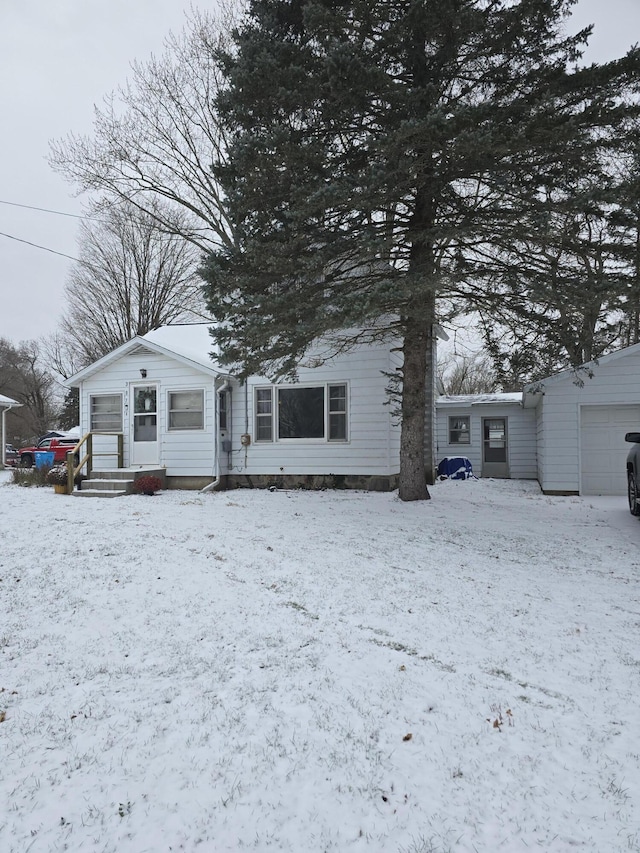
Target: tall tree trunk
<point x="430" y="399"/>
<point x="417" y="339"/>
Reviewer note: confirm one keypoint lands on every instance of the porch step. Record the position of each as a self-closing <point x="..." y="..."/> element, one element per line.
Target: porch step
<point x="114" y="483"/>
<point x="100" y="493"/>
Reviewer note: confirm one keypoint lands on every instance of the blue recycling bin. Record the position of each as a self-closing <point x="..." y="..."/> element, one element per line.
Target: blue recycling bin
<point x="44" y="458"/>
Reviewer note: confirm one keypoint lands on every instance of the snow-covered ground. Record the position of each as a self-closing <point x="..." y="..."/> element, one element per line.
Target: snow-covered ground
<point x="319" y="672"/>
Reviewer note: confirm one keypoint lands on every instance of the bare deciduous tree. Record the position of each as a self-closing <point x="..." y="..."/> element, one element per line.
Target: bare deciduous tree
<point x="467" y="374"/>
<point x="156" y="138"/>
<point x="25" y="378"/>
<point x="131" y="278"/>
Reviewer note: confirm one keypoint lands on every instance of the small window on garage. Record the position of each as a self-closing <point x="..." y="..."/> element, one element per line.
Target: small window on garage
<point x="186" y="410"/>
<point x="105" y="412"/>
<point x="459" y="430"/>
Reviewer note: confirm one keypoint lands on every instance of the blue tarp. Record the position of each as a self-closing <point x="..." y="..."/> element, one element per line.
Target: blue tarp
<point x="455" y="468"/>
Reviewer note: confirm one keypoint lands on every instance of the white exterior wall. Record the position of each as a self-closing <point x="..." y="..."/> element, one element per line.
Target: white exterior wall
<point x="521" y="436"/>
<point x="372" y="446"/>
<point x="615" y="382"/>
<point x="182" y="452"/>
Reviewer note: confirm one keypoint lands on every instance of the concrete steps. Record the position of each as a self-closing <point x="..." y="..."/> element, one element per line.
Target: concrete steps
<point x="114" y="483"/>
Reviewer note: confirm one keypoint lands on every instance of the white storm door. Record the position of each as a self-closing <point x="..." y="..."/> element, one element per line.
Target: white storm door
<point x="144" y="425"/>
<point x="495" y="454"/>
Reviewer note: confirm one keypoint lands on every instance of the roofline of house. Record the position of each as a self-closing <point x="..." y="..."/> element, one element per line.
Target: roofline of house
<point x="531" y="392"/>
<point x="79" y="377"/>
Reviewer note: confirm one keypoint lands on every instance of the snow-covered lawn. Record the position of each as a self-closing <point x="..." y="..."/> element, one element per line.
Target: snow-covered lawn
<point x="316" y="672"/>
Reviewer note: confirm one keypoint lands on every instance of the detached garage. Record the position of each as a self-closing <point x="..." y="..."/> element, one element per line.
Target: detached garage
<point x="581" y="419"/>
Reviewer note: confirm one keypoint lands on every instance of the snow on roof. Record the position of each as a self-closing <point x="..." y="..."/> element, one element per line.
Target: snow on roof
<point x="7" y="401"/>
<point x="190" y="340"/>
<point x="479" y="399"/>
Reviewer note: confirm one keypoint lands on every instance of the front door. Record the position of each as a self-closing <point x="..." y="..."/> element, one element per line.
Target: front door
<point x="495" y="456"/>
<point x="144" y="425"/>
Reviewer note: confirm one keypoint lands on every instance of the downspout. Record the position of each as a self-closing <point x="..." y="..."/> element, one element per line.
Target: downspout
<point x="211" y="487"/>
<point x="4" y="433"/>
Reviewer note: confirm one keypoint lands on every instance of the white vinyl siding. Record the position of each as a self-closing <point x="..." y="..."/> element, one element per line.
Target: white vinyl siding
<point x="614" y="383"/>
<point x="521" y="436"/>
<point x="372" y="430"/>
<point x="188" y="453"/>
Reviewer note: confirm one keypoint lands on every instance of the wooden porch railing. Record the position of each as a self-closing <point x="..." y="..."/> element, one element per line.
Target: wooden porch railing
<point x="74" y="469"/>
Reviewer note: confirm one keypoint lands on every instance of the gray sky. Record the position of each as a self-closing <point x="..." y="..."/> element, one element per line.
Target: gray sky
<point x="60" y="57"/>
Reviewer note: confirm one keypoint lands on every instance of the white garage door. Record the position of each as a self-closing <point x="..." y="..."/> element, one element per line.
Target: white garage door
<point x="603" y="450"/>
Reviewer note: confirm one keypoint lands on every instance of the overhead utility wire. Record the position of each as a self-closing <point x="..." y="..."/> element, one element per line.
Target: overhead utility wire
<point x="44" y="209"/>
<point x="44" y="248"/>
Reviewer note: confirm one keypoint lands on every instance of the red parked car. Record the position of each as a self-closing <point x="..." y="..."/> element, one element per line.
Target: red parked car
<point x="58" y="446"/>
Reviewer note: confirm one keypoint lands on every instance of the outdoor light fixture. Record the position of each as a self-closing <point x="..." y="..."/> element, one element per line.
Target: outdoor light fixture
<point x="143" y="373"/>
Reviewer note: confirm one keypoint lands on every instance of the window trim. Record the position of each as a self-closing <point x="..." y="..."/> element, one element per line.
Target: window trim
<point x="171" y="410"/>
<point x="93" y="397"/>
<point x="272" y="416"/>
<point x="451" y="430"/>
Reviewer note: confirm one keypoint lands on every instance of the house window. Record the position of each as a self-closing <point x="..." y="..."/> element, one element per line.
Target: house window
<point x="301" y="412"/>
<point x="459" y="430"/>
<point x="105" y="413"/>
<point x="337" y="412"/>
<point x="222" y="409"/>
<point x="264" y="414"/>
<point x="314" y="412"/>
<point x="186" y="410"/>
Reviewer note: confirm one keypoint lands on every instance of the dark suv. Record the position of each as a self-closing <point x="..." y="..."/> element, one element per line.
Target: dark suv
<point x="633" y="472"/>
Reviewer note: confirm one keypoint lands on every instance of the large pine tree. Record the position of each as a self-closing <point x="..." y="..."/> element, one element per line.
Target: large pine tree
<point x="373" y="143"/>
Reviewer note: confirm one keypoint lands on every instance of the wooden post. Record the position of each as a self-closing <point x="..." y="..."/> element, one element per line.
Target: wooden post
<point x="70" y="471"/>
<point x="120" y="450"/>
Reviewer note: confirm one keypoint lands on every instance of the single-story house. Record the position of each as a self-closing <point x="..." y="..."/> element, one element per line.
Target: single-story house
<point x="179" y="410"/>
<point x="6" y="403"/>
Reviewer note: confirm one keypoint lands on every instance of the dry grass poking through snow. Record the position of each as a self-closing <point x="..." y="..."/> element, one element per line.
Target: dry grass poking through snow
<point x="319" y="672"/>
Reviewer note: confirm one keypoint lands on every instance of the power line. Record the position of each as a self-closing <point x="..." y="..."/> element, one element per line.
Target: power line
<point x="44" y="210"/>
<point x="44" y="248"/>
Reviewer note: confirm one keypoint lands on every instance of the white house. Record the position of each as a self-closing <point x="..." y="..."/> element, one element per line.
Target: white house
<point x="493" y="431"/>
<point x="581" y="420"/>
<point x="178" y="410"/>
